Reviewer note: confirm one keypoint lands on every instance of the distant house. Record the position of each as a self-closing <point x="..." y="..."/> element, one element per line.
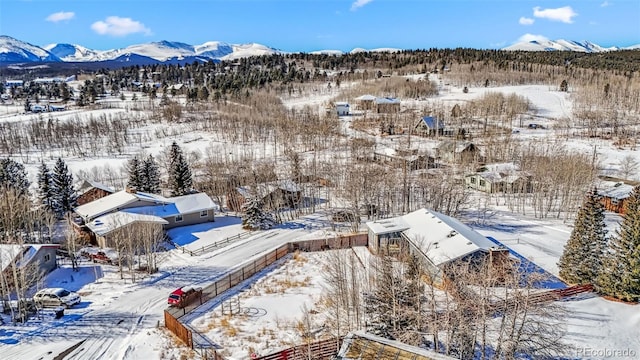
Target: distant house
<point x="273" y="195"/>
<point x="107" y="215"/>
<point x="457" y="152"/>
<point x="399" y="158"/>
<point x="342" y="108"/>
<point x="13" y="83"/>
<point x="438" y="240"/>
<point x="430" y="126"/>
<point x="34" y="260"/>
<point x="89" y="191"/>
<point x="387" y="105"/>
<point x="499" y="178"/>
<point x="614" y="195"/>
<point x="365" y="102"/>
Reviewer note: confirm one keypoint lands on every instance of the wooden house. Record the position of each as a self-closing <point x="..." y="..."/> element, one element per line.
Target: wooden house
<point x="365" y="102"/>
<point x="458" y="152"/>
<point x="387" y="105"/>
<point x="614" y="196"/>
<point x="89" y="191"/>
<point x="399" y="158"/>
<point x="273" y="195"/>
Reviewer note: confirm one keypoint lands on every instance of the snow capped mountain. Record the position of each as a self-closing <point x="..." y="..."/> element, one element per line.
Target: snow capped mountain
<point x="327" y="52"/>
<point x="14" y="50"/>
<point x="213" y="49"/>
<point x="559" y="45"/>
<point x="390" y="50"/>
<point x="247" y="50"/>
<point x="72" y="52"/>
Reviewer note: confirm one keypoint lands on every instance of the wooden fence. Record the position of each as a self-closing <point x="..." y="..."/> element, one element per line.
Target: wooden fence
<point x="216" y="245"/>
<point x="319" y="350"/>
<point x="228" y="281"/>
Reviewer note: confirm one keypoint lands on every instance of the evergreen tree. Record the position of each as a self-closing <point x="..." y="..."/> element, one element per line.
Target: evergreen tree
<point x="136" y="174"/>
<point x="151" y="171"/>
<point x="254" y="217"/>
<point x="581" y="260"/>
<point x="45" y="189"/>
<point x="621" y="274"/>
<point x="180" y="182"/>
<point x="64" y="196"/>
<point x="564" y="86"/>
<point x="13" y="174"/>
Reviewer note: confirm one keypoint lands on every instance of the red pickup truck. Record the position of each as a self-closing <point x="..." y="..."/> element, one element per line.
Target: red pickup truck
<point x="183" y="296"/>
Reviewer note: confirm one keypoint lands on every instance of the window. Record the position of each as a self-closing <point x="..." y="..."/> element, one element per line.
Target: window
<point x="482" y="182"/>
<point x="178" y="218"/>
<point x="204" y="213"/>
<point x="47" y="257"/>
<point x="473" y="180"/>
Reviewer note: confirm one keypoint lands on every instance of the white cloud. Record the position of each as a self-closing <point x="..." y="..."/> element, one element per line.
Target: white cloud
<point x="526" y="21"/>
<point x="605" y="4"/>
<point x="61" y="16"/>
<point x="564" y="14"/>
<point x="531" y="37"/>
<point x="118" y="26"/>
<point x="359" y="3"/>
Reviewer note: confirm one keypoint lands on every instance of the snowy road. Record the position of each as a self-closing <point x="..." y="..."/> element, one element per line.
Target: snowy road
<point x="118" y="321"/>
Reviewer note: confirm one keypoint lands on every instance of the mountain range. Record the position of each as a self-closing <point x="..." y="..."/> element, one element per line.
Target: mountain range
<point x="16" y="51"/>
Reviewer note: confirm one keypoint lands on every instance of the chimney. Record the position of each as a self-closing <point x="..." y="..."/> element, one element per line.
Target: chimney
<point x="130" y="189"/>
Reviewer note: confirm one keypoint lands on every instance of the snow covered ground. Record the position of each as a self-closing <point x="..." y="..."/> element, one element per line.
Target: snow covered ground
<point x="118" y="319"/>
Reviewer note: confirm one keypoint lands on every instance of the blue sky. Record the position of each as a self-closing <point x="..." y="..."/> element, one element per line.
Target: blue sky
<point x="307" y="25"/>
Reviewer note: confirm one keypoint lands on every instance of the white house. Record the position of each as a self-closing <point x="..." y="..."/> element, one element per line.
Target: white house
<point x="342" y="108"/>
<point x="437" y="238"/>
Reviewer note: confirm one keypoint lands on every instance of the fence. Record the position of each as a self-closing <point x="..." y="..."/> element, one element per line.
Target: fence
<point x="214" y="246"/>
<point x="228" y="281"/>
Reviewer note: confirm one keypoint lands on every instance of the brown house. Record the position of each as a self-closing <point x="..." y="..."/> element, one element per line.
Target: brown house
<point x="387" y="105"/>
<point x="399" y="158"/>
<point x="273" y="195"/>
<point x="614" y="197"/>
<point x="458" y="152"/>
<point x="89" y="191"/>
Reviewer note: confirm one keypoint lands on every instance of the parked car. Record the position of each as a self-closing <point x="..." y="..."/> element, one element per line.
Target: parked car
<point x="54" y="297"/>
<point x="99" y="257"/>
<point x="181" y="297"/>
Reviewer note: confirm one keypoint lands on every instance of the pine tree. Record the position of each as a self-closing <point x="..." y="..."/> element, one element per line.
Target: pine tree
<point x="64" y="196"/>
<point x="180" y="182"/>
<point x="151" y="183"/>
<point x="45" y="188"/>
<point x="581" y="260"/>
<point x="13" y="175"/>
<point x="621" y="274"/>
<point x="136" y="174"/>
<point x="254" y="217"/>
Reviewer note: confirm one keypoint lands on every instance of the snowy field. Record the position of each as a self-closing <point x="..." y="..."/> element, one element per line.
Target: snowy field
<point x="120" y="319"/>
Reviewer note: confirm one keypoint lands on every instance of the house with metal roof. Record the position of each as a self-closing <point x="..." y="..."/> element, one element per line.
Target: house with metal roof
<point x="104" y="217"/>
<point x="436" y="238"/>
